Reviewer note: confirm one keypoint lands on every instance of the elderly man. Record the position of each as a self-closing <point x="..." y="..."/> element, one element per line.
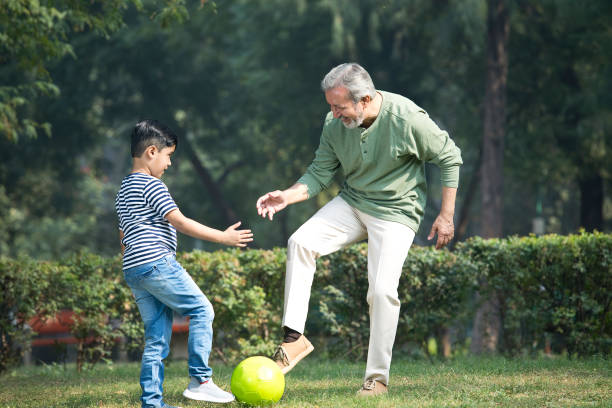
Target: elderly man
<point x="381" y="141"/>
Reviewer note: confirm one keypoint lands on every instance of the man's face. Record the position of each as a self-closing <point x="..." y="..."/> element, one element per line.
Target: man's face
<point x="161" y="160"/>
<point x="343" y="107"/>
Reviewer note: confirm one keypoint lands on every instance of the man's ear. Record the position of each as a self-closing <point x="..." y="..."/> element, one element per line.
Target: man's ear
<point x="366" y="99"/>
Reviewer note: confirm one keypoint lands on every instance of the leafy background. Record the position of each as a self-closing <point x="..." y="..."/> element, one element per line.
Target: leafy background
<point x="238" y="80"/>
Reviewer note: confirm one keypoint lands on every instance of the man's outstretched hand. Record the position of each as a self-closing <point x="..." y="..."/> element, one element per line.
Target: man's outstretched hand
<point x="271" y="203"/>
<point x="444" y="227"/>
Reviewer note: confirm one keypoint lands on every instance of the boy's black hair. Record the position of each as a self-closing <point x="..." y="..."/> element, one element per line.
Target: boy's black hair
<point x="150" y="132"/>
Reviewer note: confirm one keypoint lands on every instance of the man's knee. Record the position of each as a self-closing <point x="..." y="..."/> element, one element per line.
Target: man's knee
<point x="381" y="295"/>
<point x="295" y="240"/>
<point x="298" y="249"/>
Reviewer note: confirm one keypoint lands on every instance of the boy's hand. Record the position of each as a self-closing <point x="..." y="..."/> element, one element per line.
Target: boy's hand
<point x="234" y="237"/>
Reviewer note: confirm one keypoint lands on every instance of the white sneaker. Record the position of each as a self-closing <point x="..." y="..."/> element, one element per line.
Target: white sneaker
<point x="207" y="391"/>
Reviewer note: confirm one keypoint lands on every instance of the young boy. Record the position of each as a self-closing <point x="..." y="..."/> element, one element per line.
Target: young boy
<point x="148" y="221"/>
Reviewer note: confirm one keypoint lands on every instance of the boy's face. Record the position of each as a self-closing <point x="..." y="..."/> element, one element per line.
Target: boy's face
<point x="159" y="159"/>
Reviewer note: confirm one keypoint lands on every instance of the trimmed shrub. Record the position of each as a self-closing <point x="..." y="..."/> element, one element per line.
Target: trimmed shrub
<point x="19" y="293"/>
<point x="555" y="288"/>
<point x="436" y="295"/>
<point x="246" y="291"/>
<point x="434" y="289"/>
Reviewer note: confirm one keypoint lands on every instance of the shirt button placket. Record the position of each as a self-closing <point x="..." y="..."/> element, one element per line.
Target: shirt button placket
<point x="364" y="146"/>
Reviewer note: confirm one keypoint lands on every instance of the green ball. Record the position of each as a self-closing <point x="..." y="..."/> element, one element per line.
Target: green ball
<point x="258" y="381"/>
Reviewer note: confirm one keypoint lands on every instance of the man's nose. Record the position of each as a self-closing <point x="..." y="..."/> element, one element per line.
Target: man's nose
<point x="335" y="112"/>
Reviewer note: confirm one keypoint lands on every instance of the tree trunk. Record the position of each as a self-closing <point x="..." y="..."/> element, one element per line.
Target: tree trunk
<point x="228" y="215"/>
<point x="464" y="217"/>
<point x="444" y="341"/>
<point x="590" y="182"/>
<point x="494" y="120"/>
<point x="487" y="322"/>
<point x="591" y="202"/>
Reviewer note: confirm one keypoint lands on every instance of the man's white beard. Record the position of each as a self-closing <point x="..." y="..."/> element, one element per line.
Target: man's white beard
<point x="354" y="123"/>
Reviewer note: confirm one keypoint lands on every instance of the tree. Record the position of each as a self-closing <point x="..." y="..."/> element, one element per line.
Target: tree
<point x="34" y="33"/>
<point x="245" y="97"/>
<point x="54" y="197"/>
<point x="487" y="323"/>
<point x="239" y="83"/>
<point x="559" y="110"/>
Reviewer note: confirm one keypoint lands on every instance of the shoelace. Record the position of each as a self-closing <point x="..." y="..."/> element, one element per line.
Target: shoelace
<point x="281" y="355"/>
<point x="369" y="385"/>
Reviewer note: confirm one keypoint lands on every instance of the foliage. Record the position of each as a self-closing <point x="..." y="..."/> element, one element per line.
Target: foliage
<point x="436" y="295"/>
<point x="339" y="291"/>
<point x="552" y="285"/>
<point x="19" y="293"/>
<point x="234" y="84"/>
<point x="555" y="286"/>
<point x="98" y="300"/>
<point x="35" y="33"/>
<point x="240" y="82"/>
<point x="558" y="111"/>
<point x="34" y="220"/>
<point x="434" y="291"/>
<point x="246" y="291"/>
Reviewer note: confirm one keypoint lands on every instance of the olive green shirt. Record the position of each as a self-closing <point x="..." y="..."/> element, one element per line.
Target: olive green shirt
<point x="384" y="165"/>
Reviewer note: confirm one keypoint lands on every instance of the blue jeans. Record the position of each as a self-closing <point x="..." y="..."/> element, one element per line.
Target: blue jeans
<point x="161" y="287"/>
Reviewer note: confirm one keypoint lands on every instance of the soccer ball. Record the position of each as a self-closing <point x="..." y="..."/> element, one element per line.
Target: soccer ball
<point x="257" y="381"/>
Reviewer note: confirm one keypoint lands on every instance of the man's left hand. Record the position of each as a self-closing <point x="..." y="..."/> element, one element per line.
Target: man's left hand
<point x="444" y="227"/>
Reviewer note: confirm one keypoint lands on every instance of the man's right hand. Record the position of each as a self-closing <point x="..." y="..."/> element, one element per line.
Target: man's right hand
<point x="271" y="203"/>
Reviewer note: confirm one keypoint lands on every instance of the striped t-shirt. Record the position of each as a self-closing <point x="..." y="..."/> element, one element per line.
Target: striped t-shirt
<point x="141" y="203"/>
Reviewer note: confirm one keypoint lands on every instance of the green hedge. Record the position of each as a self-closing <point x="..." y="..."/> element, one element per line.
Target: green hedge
<point x="435" y="292"/>
<point x="555" y="287"/>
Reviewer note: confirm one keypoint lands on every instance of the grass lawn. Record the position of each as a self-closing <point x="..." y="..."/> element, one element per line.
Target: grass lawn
<point x="462" y="382"/>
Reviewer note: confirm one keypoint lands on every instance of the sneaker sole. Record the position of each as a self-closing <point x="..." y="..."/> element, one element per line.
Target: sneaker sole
<point x="297" y="359"/>
<point x="199" y="397"/>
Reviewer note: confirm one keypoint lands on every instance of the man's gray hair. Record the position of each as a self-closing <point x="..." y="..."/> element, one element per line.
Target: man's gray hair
<point x="351" y="76"/>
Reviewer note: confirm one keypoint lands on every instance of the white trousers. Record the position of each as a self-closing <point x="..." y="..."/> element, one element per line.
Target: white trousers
<point x="333" y="227"/>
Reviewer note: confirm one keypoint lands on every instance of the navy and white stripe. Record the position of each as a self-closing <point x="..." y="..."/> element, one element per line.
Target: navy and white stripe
<point x="141" y="203"/>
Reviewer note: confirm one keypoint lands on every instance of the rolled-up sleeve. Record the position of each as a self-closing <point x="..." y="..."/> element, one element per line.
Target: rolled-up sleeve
<point x="321" y="171"/>
<point x="431" y="144"/>
<point x="449" y="161"/>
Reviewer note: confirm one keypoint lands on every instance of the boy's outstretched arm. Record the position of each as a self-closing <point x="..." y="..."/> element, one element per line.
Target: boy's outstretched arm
<point x="231" y="236"/>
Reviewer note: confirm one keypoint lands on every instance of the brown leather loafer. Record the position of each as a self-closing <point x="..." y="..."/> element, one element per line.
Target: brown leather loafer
<point x="372" y="388"/>
<point x="287" y="355"/>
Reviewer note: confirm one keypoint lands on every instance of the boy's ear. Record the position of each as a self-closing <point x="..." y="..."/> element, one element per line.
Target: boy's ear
<point x="151" y="150"/>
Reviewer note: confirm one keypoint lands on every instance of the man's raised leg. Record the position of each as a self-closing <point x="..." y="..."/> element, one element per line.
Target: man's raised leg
<point x="334" y="226"/>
